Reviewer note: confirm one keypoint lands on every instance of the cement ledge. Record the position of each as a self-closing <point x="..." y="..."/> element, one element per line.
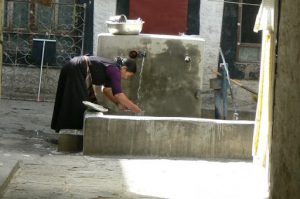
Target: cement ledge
<point x="153" y="118"/>
<point x="167" y="137"/>
<point x="7" y="171"/>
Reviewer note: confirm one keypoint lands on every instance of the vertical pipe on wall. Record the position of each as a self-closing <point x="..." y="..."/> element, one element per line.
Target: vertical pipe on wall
<point x="83" y="32"/>
<point x="1" y="41"/>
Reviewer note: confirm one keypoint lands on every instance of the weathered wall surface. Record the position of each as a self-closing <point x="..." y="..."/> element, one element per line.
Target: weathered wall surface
<point x="285" y="148"/>
<point x="211" y="13"/>
<point x="167" y="137"/>
<point x="102" y="11"/>
<point x="23" y="82"/>
<point x="165" y="85"/>
<point x="210" y="28"/>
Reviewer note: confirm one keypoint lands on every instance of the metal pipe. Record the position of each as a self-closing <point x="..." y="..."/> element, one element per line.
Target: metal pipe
<point x="41" y="71"/>
<point x="83" y="31"/>
<point x="235" y="115"/>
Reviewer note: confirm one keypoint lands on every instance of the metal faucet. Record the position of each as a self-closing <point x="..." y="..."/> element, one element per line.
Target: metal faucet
<point x="142" y="54"/>
<point x="187" y="59"/>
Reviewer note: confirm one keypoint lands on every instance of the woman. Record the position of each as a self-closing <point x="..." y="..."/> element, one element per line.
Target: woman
<point x="75" y="85"/>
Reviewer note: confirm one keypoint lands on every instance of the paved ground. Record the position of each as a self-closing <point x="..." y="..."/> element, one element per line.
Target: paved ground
<point x="44" y="173"/>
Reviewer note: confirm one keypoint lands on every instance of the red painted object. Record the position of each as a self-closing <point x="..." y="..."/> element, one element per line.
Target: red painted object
<point x="161" y="16"/>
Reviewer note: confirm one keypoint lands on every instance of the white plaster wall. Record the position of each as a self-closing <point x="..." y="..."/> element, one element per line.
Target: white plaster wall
<point x="211" y="13"/>
<point x="103" y="9"/>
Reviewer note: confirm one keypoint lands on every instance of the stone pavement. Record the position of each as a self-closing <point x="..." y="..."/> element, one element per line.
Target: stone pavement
<point x="26" y="138"/>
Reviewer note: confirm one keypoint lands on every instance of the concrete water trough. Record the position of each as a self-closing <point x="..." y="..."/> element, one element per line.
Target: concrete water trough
<point x="166" y="137"/>
<point x="169" y="74"/>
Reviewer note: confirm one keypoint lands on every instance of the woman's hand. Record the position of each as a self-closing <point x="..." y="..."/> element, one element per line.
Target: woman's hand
<point x="122" y="107"/>
<point x="124" y="101"/>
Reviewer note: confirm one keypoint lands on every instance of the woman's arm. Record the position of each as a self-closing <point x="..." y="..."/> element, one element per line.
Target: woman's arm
<point x="124" y="101"/>
<point x="108" y="93"/>
<point x="121" y="99"/>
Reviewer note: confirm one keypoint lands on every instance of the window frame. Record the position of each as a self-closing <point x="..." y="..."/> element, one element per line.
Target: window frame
<point x="241" y="44"/>
<point x="32" y="21"/>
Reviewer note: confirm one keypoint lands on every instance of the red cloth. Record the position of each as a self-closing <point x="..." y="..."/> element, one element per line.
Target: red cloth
<point x="161" y="16"/>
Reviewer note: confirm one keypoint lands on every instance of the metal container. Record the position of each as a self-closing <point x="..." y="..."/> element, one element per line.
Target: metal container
<point x="130" y="27"/>
<point x="118" y="18"/>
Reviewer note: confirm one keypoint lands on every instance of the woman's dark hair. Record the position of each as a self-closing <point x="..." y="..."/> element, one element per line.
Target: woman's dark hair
<point x="130" y="64"/>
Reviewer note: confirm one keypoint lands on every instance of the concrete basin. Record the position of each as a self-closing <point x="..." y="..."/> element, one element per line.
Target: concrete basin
<point x="167" y="137"/>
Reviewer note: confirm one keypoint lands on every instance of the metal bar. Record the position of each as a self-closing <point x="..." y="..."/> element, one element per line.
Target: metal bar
<point x="218" y="104"/>
<point x="224" y="92"/>
<point x="83" y="29"/>
<point x="1" y="41"/>
<point x="45" y="40"/>
<point x="41" y="71"/>
<point x="232" y="2"/>
<point x="239" y="29"/>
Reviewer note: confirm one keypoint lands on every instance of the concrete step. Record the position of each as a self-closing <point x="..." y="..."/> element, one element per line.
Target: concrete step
<point x="8" y="168"/>
<point x="69" y="143"/>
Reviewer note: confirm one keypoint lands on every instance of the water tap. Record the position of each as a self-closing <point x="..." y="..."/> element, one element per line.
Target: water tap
<point x="187" y="59"/>
<point x="142" y="53"/>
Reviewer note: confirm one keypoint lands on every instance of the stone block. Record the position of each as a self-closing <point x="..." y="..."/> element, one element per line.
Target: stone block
<point x="69" y="143"/>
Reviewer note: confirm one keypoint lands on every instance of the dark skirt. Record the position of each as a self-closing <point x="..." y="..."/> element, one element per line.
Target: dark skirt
<point x="71" y="91"/>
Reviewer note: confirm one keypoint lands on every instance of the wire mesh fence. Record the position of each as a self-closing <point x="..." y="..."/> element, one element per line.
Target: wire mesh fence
<point x="26" y="21"/>
<point x="61" y="20"/>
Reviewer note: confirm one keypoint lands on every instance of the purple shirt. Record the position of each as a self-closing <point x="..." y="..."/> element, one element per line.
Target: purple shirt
<point x="113" y="79"/>
<point x="106" y="73"/>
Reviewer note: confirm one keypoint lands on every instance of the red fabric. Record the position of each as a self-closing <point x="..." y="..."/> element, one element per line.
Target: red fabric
<point x="161" y="16"/>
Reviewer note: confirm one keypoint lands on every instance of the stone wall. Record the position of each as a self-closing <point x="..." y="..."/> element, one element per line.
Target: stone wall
<point x="285" y="147"/>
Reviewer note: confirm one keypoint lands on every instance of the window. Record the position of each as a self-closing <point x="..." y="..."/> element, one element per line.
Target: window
<point x="248" y="45"/>
<point x="16" y="15"/>
<point x="24" y="20"/>
<point x="25" y="15"/>
<point x="58" y="16"/>
<point x="44" y="16"/>
<point x="65" y="15"/>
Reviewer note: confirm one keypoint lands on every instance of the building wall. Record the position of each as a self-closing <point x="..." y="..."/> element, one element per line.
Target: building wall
<point x="210" y="28"/>
<point x="211" y="13"/>
<point x="102" y="11"/>
<point x="285" y="146"/>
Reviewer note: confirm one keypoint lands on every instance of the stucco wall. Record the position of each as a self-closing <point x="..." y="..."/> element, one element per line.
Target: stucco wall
<point x="102" y="11"/>
<point x="165" y="85"/>
<point x="211" y="13"/>
<point x="285" y="148"/>
<point x="210" y="28"/>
